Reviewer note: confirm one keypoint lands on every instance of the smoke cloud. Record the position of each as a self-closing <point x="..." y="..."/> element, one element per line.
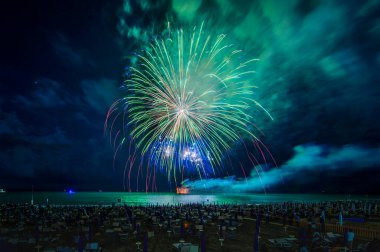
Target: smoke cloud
<point x="307" y="159"/>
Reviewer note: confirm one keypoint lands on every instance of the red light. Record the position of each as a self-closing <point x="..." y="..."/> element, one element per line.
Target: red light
<point x="182" y="190"/>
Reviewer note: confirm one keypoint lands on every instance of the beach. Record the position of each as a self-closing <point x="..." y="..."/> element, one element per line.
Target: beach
<point x="270" y="226"/>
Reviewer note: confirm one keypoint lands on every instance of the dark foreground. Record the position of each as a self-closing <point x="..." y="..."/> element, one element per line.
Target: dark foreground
<point x="325" y="226"/>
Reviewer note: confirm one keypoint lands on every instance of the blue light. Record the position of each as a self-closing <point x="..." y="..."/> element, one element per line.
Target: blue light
<point x="70" y="191"/>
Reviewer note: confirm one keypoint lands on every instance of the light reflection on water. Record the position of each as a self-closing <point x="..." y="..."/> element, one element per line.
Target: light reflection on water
<point x="108" y="198"/>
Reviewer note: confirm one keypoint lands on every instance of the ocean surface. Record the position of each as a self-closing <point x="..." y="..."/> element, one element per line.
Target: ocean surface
<point x="109" y="198"/>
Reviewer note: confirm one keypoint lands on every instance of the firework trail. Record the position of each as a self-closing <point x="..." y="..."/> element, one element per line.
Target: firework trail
<point x="188" y="99"/>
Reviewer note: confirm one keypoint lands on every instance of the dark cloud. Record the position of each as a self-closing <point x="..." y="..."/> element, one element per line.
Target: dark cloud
<point x="66" y="52"/>
<point x="62" y="65"/>
<point x="9" y="123"/>
<point x="100" y="94"/>
<point x="47" y="93"/>
<point x="58" y="137"/>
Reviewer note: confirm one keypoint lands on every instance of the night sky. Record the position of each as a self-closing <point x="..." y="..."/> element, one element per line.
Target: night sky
<point x="62" y="64"/>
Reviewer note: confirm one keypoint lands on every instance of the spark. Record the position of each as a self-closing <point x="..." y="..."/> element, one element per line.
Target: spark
<point x="189" y="98"/>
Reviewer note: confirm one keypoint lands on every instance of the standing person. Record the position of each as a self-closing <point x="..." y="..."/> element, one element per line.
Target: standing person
<point x="203" y="242"/>
<point x="258" y="222"/>
<point x="80" y="244"/>
<point x="323" y="225"/>
<point x="145" y="244"/>
<point x="302" y="237"/>
<point x="283" y="218"/>
<point x="298" y="219"/>
<point x="256" y="242"/>
<point x="350" y="238"/>
<point x="323" y="216"/>
<point x="267" y="218"/>
<point x="345" y="237"/>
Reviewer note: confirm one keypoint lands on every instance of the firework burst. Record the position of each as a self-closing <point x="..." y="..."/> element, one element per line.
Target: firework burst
<point x="188" y="99"/>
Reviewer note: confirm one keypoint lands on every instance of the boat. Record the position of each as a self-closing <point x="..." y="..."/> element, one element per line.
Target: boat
<point x="2" y="191"/>
<point x="182" y="190"/>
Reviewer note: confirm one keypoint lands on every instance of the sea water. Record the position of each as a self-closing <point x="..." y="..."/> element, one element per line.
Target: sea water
<point x="109" y="198"/>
